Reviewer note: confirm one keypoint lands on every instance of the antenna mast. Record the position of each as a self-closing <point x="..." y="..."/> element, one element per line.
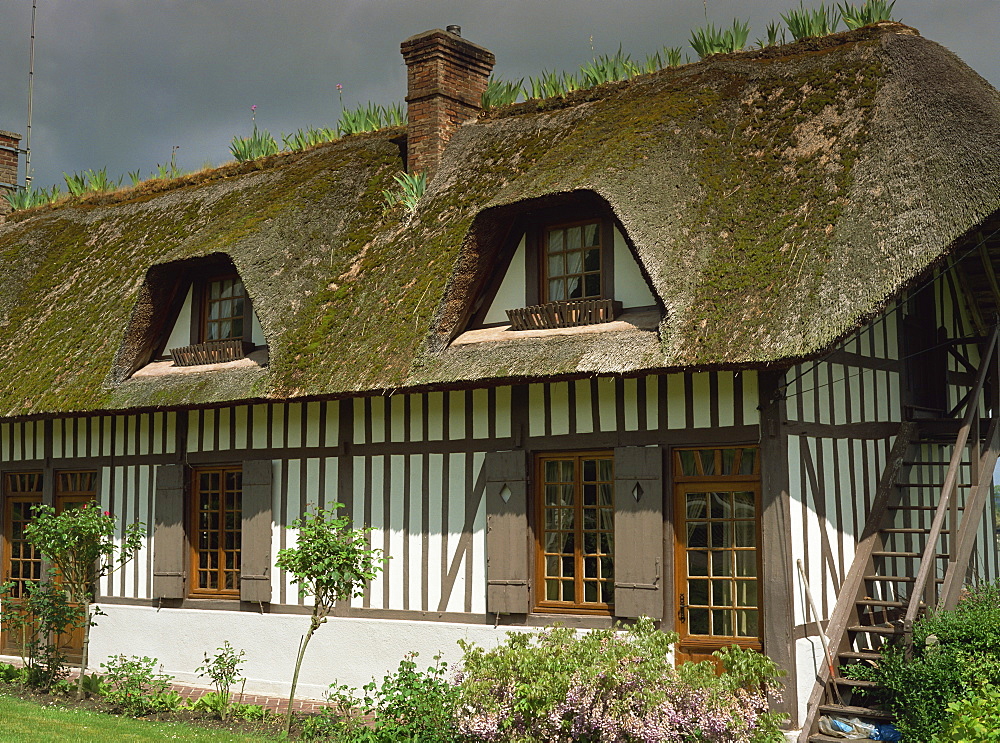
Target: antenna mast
<point x="31" y="88"/>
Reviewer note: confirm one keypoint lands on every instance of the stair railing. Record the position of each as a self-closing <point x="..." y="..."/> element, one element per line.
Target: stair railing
<point x="948" y="505"/>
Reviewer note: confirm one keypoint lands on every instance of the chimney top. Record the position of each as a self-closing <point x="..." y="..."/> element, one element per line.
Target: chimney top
<point x="446" y="77"/>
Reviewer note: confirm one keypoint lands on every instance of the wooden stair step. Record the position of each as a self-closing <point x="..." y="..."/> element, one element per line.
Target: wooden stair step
<point x="927" y="463"/>
<point x="847" y="710"/>
<point x="860" y="655"/>
<point x="931" y="485"/>
<point x="887" y="553"/>
<point x="887" y="604"/>
<point x="877" y="629"/>
<point x="856" y="683"/>
<point x="897" y="578"/>
<point x="909" y="530"/>
<point x="918" y="508"/>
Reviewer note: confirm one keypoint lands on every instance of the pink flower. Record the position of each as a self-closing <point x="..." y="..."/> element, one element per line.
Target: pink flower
<point x="253" y="107"/>
<point x="339" y="86"/>
<point x="107" y="513"/>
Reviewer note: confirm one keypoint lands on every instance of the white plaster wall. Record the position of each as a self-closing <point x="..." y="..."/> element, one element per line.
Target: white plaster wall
<point x="256" y="331"/>
<point x="511" y="294"/>
<point x="347" y="651"/>
<point x="631" y="288"/>
<point x="180" y="334"/>
<point x="808" y="661"/>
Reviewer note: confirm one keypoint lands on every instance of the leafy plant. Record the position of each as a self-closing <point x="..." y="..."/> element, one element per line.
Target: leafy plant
<point x="224" y="670"/>
<point x="976" y="717"/>
<point x="97" y="180"/>
<point x="369" y="118"/>
<point x="170" y="170"/>
<point x="82" y="546"/>
<point x="38" y="613"/>
<point x="956" y="653"/>
<point x="551" y="84"/>
<point x="411" y="188"/>
<point x="303" y="139"/>
<point x="803" y="23"/>
<point x="501" y="93"/>
<point x="608" y="68"/>
<point x="330" y="562"/>
<point x="710" y="40"/>
<point x="135" y="688"/>
<point x="409" y="705"/>
<point x="259" y="144"/>
<point x="773" y="38"/>
<point x="135" y="177"/>
<point x="872" y="11"/>
<point x="10" y="674"/>
<point x="76" y="184"/>
<point x="668" y="56"/>
<point x="26" y="198"/>
<point x="610" y="685"/>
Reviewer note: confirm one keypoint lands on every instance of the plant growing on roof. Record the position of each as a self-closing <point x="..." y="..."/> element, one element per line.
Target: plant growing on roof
<point x="803" y="23"/>
<point x="306" y="138"/>
<point x="411" y="188"/>
<point x="82" y="547"/>
<point x="501" y="93"/>
<point x="608" y="68"/>
<point x="330" y="562"/>
<point x="709" y="40"/>
<point x="773" y="29"/>
<point x="872" y="11"/>
<point x="259" y="144"/>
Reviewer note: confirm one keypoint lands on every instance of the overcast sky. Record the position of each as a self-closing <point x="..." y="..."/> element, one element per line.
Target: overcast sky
<point x="119" y="83"/>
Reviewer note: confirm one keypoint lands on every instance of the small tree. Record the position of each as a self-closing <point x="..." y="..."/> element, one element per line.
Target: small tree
<point x="331" y="562"/>
<point x="80" y="544"/>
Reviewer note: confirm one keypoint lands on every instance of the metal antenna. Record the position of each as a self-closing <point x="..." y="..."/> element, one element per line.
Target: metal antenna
<point x="31" y="88"/>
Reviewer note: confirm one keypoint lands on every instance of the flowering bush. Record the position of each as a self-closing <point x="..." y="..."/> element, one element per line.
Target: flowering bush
<point x="612" y="686"/>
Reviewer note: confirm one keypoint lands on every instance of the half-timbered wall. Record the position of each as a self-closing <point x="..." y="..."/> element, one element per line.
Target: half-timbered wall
<point x="411" y="466"/>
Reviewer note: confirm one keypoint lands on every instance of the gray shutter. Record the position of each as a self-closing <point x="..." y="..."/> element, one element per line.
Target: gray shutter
<point x="639" y="532"/>
<point x="507" y="532"/>
<point x="168" y="533"/>
<point x="255" y="539"/>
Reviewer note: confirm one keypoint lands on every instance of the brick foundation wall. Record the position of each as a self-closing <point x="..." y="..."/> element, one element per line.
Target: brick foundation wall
<point x="8" y="166"/>
<point x="446" y="76"/>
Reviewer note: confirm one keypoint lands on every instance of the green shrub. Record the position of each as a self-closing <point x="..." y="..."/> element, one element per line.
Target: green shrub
<point x="370" y="118"/>
<point x="135" y="688"/>
<point x="411" y="188"/>
<point x="409" y="705"/>
<point x="558" y="684"/>
<point x="710" y="40"/>
<point x="955" y="653"/>
<point x="306" y="138"/>
<point x="975" y="718"/>
<point x="223" y="669"/>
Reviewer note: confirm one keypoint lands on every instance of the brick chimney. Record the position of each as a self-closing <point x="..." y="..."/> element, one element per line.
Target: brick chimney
<point x="8" y="166"/>
<point x="445" y="79"/>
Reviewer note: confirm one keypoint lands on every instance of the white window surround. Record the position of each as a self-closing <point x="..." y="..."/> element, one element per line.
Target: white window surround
<point x="180" y="334"/>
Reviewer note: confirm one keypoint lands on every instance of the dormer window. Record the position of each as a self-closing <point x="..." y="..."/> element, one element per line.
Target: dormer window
<point x="224" y="308"/>
<point x="572" y="261"/>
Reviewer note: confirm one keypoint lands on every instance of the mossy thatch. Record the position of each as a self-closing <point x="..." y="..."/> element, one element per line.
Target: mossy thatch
<point x="774" y="199"/>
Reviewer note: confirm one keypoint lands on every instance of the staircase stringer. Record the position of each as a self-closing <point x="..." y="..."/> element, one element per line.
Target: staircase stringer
<point x="845" y="612"/>
<point x="965" y="540"/>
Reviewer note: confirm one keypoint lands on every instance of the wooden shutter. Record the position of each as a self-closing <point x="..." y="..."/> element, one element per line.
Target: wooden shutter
<point x="255" y="539"/>
<point x="639" y="532"/>
<point x="507" y="532"/>
<point x="168" y="533"/>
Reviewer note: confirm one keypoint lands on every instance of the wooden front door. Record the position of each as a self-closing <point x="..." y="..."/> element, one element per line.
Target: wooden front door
<point x="22" y="563"/>
<point x="716" y="503"/>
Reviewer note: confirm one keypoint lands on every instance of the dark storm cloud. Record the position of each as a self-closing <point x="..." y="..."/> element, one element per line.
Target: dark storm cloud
<point x="119" y="83"/>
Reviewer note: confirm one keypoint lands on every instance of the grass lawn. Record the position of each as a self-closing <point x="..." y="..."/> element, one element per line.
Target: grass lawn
<point x="30" y="722"/>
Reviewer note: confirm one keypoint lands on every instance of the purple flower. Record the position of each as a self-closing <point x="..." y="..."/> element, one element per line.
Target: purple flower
<point x="339" y="86"/>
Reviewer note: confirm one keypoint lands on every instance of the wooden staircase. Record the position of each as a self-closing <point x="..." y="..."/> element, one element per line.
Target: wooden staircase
<point x="915" y="550"/>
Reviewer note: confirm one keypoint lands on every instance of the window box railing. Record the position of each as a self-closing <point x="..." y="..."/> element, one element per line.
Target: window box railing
<point x="564" y="314"/>
<point x="210" y="352"/>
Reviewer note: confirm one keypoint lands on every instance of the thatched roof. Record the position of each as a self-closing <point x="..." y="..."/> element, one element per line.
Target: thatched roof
<point x="774" y="199"/>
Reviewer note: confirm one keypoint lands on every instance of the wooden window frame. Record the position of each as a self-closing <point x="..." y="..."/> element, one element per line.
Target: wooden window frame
<point x="200" y="303"/>
<point x="536" y="268"/>
<point x="194" y="589"/>
<point x="696" y="646"/>
<point x="578" y="607"/>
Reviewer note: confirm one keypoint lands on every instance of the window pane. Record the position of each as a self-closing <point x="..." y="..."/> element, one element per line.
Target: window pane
<point x="728" y="460"/>
<point x="687" y="463"/>
<point x="608" y="591"/>
<point x="697" y="534"/>
<point x="722" y="534"/>
<point x="605" y="470"/>
<point x="707" y="457"/>
<point x="551" y="590"/>
<point x="591" y="234"/>
<point x="697" y="562"/>
<point x="746" y="563"/>
<point x="745" y="507"/>
<point x="748" y="461"/>
<point x="574" y="239"/>
<point x="746" y="593"/>
<point x="722" y="622"/>
<point x="555" y="240"/>
<point x="551" y="494"/>
<point x="574" y="262"/>
<point x="605" y="494"/>
<point x="721" y="505"/>
<point x="552" y="472"/>
<point x="698" y="592"/>
<point x="696" y="505"/>
<point x="590" y="591"/>
<point x="746" y="533"/>
<point x="557" y="290"/>
<point x="698" y="621"/>
<point x="746" y="621"/>
<point x="574" y="288"/>
<point x="593" y="285"/>
<point x="557" y="265"/>
<point x="722" y="563"/>
<point x="592" y="260"/>
<point x="722" y="593"/>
